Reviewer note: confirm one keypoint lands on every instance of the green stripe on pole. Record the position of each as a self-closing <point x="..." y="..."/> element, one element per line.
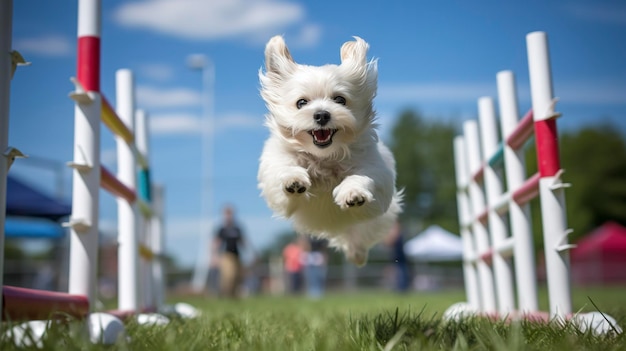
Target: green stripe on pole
<point x="498" y="157"/>
<point x="144" y="185"/>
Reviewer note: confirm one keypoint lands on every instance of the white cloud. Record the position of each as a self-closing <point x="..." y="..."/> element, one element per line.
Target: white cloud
<point x="157" y="71"/>
<point x="175" y="124"/>
<point x="181" y="123"/>
<point x="437" y="92"/>
<point x="592" y="92"/>
<point x="579" y="92"/>
<point x="150" y="97"/>
<point x="47" y="45"/>
<point x="308" y="36"/>
<point x="210" y="20"/>
<point x="239" y="120"/>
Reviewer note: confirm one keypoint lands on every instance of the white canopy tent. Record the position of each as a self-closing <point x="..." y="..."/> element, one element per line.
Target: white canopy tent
<point x="435" y="244"/>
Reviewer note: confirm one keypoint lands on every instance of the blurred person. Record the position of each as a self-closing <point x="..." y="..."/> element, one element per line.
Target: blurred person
<point x="227" y="245"/>
<point x="395" y="241"/>
<point x="293" y="258"/>
<point x="316" y="266"/>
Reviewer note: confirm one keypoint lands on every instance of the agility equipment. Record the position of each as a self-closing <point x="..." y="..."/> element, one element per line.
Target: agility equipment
<point x="135" y="213"/>
<point x="140" y="236"/>
<point x="484" y="163"/>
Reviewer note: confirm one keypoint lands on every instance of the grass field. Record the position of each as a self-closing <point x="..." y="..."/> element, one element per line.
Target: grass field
<point x="359" y="321"/>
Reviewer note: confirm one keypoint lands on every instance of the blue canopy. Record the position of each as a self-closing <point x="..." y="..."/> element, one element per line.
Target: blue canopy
<point x="24" y="200"/>
<point x="28" y="227"/>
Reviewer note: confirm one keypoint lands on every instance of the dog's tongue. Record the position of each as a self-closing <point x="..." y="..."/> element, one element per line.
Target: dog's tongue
<point x="321" y="134"/>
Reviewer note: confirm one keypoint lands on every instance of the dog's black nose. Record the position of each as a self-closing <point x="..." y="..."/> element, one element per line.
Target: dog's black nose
<point x="321" y="117"/>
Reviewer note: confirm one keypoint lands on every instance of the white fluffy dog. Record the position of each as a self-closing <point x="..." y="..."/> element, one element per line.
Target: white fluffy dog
<point x="323" y="165"/>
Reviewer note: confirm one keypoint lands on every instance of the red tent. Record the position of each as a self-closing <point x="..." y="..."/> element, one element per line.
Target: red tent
<point x="600" y="257"/>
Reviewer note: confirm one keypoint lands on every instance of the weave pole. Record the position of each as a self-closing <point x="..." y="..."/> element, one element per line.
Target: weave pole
<point x="478" y="227"/>
<point x="472" y="288"/>
<point x="145" y="221"/>
<point x="86" y="174"/>
<point x="157" y="244"/>
<point x="515" y="170"/>
<point x="493" y="188"/>
<point x="551" y="192"/>
<point x="6" y="62"/>
<point x="128" y="262"/>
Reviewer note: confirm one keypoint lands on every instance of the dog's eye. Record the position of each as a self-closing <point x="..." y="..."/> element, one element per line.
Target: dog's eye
<point x="340" y="100"/>
<point x="301" y="103"/>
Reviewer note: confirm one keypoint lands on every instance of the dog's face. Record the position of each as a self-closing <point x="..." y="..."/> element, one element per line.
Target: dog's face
<point x="319" y="110"/>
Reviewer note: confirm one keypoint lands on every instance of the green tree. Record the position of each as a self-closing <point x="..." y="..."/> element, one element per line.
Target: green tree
<point x="595" y="163"/>
<point x="425" y="168"/>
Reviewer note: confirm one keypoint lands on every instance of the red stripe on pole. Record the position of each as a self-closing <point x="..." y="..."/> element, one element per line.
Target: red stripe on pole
<point x="522" y="132"/>
<point x="487" y="256"/>
<point x="547" y="142"/>
<point x="482" y="218"/>
<point x="527" y="191"/>
<point x="478" y="176"/>
<point x="113" y="185"/>
<point x="31" y="304"/>
<point x="88" y="65"/>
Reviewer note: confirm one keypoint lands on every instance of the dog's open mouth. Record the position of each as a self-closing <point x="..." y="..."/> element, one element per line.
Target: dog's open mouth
<point x="322" y="137"/>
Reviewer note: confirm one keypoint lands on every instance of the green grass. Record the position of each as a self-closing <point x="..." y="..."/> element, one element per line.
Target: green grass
<point x="360" y="321"/>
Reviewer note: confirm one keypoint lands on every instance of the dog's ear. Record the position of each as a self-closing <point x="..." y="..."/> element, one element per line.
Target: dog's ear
<point x="354" y="52"/>
<point x="277" y="56"/>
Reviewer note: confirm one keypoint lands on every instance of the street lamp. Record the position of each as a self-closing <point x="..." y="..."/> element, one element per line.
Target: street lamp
<point x="202" y="63"/>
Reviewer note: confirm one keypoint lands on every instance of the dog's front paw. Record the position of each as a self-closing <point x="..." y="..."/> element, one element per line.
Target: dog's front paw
<point x="295" y="187"/>
<point x="296" y="183"/>
<point x="347" y="196"/>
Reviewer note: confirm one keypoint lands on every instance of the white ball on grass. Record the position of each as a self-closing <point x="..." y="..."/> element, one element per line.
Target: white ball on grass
<point x="28" y="334"/>
<point x="458" y="311"/>
<point x="105" y="328"/>
<point x="186" y="310"/>
<point x="152" y="319"/>
<point x="597" y="322"/>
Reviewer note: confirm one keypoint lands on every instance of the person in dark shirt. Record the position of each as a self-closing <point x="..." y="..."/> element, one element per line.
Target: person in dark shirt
<point x="395" y="241"/>
<point x="226" y="249"/>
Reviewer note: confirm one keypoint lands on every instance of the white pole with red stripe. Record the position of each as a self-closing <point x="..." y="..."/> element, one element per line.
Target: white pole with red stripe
<point x="551" y="192"/>
<point x="86" y="175"/>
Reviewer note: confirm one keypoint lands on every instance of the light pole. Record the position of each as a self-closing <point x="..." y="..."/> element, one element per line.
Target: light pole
<point x="203" y="64"/>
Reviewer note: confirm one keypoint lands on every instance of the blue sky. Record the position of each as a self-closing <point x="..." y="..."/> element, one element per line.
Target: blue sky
<point x="434" y="56"/>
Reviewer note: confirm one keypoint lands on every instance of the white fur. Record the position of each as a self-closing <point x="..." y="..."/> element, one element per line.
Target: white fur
<point x="345" y="191"/>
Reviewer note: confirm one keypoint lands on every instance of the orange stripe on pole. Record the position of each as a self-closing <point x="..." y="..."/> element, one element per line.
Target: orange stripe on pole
<point x="111" y="184"/>
<point x="114" y="123"/>
<point x="145" y="252"/>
